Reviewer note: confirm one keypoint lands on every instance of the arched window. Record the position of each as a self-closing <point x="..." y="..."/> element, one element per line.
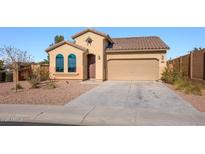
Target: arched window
<point x="71" y="63"/>
<point x="59" y="63"/>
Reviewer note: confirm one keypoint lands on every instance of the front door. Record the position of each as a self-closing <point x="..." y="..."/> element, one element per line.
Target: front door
<point x="91" y="66"/>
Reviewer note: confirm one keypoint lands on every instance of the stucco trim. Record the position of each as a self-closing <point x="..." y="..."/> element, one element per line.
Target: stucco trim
<point x="68" y="43"/>
<point x="69" y="74"/>
<point x="132" y="59"/>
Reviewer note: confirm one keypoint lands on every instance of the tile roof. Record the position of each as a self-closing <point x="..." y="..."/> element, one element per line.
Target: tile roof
<point x="93" y="31"/>
<point x="66" y="42"/>
<point x="148" y="43"/>
<point x="137" y="43"/>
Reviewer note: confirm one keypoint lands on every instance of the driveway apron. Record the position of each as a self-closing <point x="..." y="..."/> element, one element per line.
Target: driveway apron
<point x="135" y="103"/>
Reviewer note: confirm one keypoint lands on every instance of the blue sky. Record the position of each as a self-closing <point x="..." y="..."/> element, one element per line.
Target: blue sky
<point x="36" y="40"/>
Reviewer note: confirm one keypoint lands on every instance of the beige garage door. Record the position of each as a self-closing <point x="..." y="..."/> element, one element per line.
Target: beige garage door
<point x="135" y="69"/>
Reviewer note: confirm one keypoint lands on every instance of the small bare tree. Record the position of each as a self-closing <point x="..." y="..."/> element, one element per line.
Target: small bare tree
<point x="14" y="57"/>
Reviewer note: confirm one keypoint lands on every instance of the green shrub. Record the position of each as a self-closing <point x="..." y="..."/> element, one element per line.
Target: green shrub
<point x="34" y="79"/>
<point x="169" y="76"/>
<point x="180" y="84"/>
<point x="188" y="87"/>
<point x="193" y="89"/>
<point x="34" y="82"/>
<point x="166" y="76"/>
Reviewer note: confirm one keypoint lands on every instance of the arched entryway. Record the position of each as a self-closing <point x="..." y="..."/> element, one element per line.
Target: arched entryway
<point x="91" y="66"/>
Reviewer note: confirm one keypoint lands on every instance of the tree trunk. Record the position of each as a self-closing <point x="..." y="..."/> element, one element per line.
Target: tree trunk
<point x="16" y="75"/>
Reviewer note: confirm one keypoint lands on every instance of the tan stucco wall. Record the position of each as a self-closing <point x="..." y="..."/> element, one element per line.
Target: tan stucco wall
<point x="105" y="44"/>
<point x="65" y="50"/>
<point x="96" y="48"/>
<point x="147" y="55"/>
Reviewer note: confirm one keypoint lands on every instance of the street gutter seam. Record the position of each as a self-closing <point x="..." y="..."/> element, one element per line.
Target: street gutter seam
<point x="37" y="115"/>
<point x="84" y="117"/>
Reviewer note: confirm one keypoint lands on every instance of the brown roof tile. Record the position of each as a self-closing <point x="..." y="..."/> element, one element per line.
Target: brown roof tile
<point x="137" y="43"/>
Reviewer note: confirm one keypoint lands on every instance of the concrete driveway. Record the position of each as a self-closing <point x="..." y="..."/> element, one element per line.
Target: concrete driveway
<point x="134" y="103"/>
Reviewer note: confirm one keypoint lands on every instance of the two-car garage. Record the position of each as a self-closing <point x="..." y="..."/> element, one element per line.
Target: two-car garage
<point x="133" y="69"/>
<point x="136" y="58"/>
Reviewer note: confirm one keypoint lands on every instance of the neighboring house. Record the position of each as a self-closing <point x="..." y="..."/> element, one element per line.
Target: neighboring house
<point x="95" y="55"/>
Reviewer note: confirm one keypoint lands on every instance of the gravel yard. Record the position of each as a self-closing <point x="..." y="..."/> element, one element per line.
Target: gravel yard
<point x="197" y="101"/>
<point x="62" y="94"/>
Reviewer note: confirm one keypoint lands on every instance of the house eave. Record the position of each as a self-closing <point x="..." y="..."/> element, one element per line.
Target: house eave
<point x="65" y="42"/>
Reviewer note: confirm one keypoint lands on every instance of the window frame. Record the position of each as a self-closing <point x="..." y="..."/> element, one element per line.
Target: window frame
<point x="74" y="68"/>
<point x="57" y="68"/>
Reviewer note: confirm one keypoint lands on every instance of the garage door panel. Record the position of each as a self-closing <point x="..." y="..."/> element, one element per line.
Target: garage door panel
<point x="133" y="69"/>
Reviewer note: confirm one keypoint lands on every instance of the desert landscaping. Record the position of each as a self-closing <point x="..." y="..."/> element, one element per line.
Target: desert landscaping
<point x="67" y="90"/>
<point x="196" y="101"/>
<point x="60" y="95"/>
<point x="193" y="91"/>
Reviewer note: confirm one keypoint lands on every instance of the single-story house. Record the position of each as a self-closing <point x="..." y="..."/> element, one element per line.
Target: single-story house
<point x="95" y="55"/>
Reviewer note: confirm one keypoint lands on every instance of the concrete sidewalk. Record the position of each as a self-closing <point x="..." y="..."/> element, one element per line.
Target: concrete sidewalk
<point x="41" y="114"/>
<point x="94" y="116"/>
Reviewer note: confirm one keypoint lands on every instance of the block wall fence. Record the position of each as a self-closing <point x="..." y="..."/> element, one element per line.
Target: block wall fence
<point x="191" y="65"/>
